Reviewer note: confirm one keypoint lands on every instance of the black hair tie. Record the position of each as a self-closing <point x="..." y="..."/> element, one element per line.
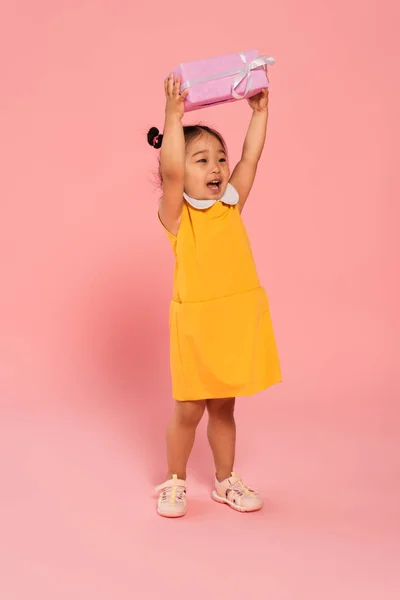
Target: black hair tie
<point x="154" y="137"/>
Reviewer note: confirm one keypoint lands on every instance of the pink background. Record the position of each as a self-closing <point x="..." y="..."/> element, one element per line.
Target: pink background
<point x="86" y="281"/>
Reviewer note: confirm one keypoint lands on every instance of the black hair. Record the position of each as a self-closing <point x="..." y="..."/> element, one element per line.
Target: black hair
<point x="154" y="138"/>
<point x="191" y="132"/>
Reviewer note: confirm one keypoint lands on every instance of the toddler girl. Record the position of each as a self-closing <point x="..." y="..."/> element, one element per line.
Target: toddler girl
<point x="221" y="336"/>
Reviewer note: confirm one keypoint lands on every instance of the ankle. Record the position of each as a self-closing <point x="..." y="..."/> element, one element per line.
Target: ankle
<point x="222" y="475"/>
<point x="178" y="474"/>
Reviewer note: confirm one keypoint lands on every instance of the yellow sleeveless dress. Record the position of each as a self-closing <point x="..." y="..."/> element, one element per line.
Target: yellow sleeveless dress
<point x="221" y="335"/>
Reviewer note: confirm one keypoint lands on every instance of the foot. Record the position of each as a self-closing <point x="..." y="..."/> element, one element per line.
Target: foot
<point x="172" y="498"/>
<point x="235" y="494"/>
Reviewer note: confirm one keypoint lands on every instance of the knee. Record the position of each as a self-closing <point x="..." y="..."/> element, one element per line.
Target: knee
<point x="221" y="408"/>
<point x="190" y="414"/>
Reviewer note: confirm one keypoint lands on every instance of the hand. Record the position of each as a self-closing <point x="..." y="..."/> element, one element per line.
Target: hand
<point x="259" y="102"/>
<point x="175" y="101"/>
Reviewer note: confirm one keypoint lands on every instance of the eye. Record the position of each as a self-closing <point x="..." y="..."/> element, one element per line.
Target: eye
<point x="222" y="160"/>
<point x="202" y="160"/>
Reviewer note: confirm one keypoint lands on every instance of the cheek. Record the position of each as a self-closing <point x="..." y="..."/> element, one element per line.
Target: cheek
<point x="193" y="175"/>
<point x="193" y="180"/>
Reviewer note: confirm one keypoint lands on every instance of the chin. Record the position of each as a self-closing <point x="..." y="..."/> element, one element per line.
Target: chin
<point x="217" y="195"/>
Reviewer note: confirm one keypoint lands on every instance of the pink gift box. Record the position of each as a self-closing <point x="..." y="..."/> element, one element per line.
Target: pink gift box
<point x="223" y="79"/>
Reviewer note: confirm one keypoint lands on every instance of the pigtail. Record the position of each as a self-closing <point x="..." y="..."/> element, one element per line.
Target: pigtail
<point x="154" y="137"/>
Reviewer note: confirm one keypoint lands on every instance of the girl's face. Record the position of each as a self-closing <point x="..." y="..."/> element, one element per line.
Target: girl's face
<point x="206" y="168"/>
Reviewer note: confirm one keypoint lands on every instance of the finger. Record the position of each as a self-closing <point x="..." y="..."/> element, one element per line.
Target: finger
<point x="183" y="96"/>
<point x="166" y="86"/>
<point x="170" y="85"/>
<point x="177" y="86"/>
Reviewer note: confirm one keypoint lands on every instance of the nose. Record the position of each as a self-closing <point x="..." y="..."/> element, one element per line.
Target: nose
<point x="216" y="168"/>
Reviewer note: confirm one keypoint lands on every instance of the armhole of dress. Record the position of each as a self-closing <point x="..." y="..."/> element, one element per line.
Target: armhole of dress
<point x="172" y="238"/>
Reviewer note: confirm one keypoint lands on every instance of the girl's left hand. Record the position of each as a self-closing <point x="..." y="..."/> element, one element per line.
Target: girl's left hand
<point x="259" y="102"/>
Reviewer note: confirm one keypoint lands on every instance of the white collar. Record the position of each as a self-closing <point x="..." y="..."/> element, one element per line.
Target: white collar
<point x="230" y="197"/>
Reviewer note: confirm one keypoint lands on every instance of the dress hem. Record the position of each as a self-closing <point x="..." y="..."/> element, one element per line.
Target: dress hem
<point x="238" y="394"/>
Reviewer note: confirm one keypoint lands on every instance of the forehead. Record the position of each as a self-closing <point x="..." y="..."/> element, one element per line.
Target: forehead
<point x="206" y="142"/>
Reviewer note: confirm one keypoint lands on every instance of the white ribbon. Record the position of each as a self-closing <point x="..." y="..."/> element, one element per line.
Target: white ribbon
<point x="242" y="74"/>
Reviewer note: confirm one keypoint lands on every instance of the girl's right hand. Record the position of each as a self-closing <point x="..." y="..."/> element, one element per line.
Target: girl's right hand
<point x="175" y="101"/>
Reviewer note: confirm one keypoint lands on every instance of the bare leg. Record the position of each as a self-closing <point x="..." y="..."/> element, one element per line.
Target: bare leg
<point x="222" y="435"/>
<point x="181" y="435"/>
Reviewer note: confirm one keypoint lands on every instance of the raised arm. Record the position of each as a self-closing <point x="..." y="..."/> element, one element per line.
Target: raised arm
<point x="245" y="171"/>
<point x="172" y="156"/>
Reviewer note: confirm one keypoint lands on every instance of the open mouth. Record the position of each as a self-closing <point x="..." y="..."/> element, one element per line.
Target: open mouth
<point x="214" y="185"/>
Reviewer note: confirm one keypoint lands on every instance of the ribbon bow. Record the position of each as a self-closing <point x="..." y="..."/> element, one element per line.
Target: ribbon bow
<point x="246" y="73"/>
